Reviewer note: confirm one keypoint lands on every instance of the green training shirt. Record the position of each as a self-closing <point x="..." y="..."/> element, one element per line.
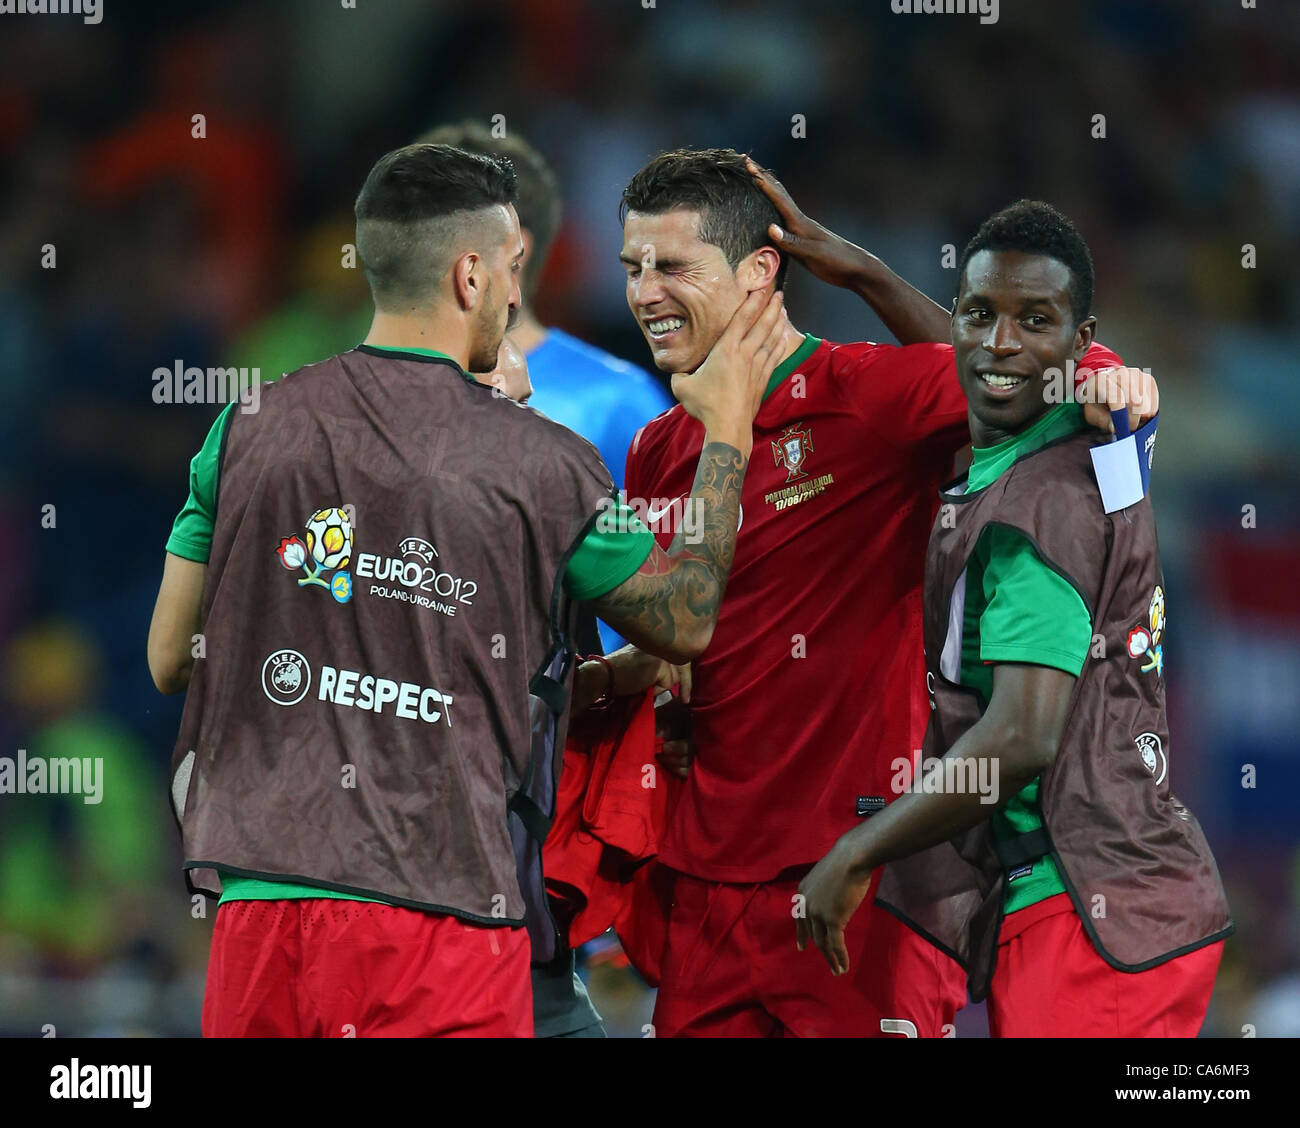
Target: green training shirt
<point x="1019" y="610"/>
<point x="609" y="553"/>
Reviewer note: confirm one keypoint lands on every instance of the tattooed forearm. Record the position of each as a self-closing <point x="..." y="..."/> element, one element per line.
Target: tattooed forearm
<point x="669" y="606"/>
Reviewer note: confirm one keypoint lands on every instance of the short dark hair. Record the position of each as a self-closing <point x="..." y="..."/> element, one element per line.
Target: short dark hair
<point x="405" y="211"/>
<point x="1036" y="228"/>
<point x="734" y="212"/>
<point x="539" y="192"/>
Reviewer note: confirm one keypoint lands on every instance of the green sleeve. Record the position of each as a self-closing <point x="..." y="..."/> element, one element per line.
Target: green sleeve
<point x="1032" y="613"/>
<point x="191" y="535"/>
<point x="615" y="547"/>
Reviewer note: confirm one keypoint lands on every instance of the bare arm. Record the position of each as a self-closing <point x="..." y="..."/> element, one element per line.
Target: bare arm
<point x="907" y="313"/>
<point x="669" y="606"/>
<point x="912" y="317"/>
<point x="176" y="620"/>
<point x="1017" y="739"/>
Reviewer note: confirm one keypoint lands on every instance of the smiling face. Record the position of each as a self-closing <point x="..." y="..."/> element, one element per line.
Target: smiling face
<point x="1013" y="330"/>
<point x="681" y="290"/>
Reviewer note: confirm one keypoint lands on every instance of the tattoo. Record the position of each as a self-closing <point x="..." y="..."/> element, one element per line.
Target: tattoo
<point x="675" y="595"/>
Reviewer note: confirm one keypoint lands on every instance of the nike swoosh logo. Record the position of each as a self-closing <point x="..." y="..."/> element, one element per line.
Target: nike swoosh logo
<point x="653" y="515"/>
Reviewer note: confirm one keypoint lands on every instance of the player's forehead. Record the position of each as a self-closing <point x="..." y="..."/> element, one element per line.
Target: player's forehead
<point x="510" y="360"/>
<point x="674" y="233"/>
<point x="1016" y="278"/>
<point x="501" y="221"/>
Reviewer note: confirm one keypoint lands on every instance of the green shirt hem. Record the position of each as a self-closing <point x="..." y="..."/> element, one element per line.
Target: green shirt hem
<point x="1066" y="660"/>
<point x="632" y="546"/>
<point x="186" y="549"/>
<point x="234" y="888"/>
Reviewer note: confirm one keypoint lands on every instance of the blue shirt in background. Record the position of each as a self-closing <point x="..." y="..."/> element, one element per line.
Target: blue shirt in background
<point x="604" y="399"/>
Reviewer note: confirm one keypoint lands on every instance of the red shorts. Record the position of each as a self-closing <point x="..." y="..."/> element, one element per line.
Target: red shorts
<point x="1050" y="982"/>
<point x="323" y="968"/>
<point x="731" y="969"/>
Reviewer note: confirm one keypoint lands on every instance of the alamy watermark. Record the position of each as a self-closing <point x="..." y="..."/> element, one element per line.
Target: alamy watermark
<point x="1070" y="385"/>
<point x="58" y="775"/>
<point x="77" y="1081"/>
<point x="90" y="11"/>
<point x="987" y="10"/>
<point x="674" y="515"/>
<point x="180" y="384"/>
<point x="946" y="775"/>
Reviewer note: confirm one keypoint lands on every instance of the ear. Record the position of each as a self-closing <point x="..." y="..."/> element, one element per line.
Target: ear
<point x="758" y="269"/>
<point x="1083" y="337"/>
<point x="467" y="280"/>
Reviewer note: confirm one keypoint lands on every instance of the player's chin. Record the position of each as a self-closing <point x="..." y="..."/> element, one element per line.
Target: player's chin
<point x="483" y="363"/>
<point x="490" y="350"/>
<point x="673" y="358"/>
<point x="1006" y="413"/>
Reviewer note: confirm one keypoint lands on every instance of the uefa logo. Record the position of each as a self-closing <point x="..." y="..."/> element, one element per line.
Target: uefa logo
<point x="1152" y="750"/>
<point x="286" y="677"/>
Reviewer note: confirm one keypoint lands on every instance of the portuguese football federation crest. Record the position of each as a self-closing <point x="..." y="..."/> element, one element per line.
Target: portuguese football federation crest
<point x="328" y="548"/>
<point x="792" y="449"/>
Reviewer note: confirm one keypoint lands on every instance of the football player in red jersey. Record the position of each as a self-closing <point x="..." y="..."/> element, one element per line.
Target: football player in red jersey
<point x="814" y="681"/>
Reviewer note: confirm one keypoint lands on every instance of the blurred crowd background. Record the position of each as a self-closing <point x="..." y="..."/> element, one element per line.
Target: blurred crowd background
<point x="227" y="250"/>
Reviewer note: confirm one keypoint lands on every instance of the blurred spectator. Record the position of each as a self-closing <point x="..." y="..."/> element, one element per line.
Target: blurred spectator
<point x="78" y="872"/>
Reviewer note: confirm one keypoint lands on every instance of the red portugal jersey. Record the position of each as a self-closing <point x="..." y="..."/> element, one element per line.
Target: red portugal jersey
<point x="814" y="682"/>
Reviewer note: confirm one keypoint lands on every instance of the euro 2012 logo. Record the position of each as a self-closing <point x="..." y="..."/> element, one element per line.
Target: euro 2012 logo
<point x="1145" y="641"/>
<point x="328" y="549"/>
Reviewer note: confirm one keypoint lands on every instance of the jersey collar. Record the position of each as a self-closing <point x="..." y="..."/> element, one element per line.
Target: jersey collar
<point x="989" y="463"/>
<point x="787" y="366"/>
<point x="419" y="354"/>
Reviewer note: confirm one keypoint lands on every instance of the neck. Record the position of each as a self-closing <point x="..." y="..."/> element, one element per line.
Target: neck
<point x="981" y="435"/>
<point x="528" y="332"/>
<point x="984" y="435"/>
<point x="425" y="329"/>
<point x="791" y="339"/>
